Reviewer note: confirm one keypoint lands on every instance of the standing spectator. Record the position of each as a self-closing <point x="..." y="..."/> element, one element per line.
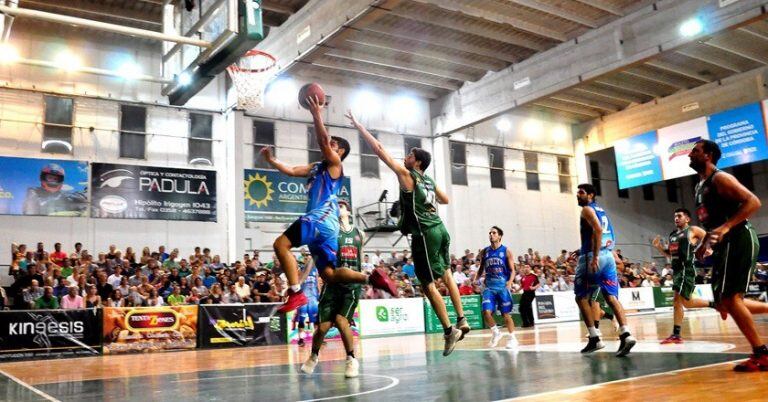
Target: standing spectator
<point x="41" y="254"/>
<point x="47" y="301"/>
<point x="58" y="256"/>
<point x="72" y="300"/>
<point x="530" y="282"/>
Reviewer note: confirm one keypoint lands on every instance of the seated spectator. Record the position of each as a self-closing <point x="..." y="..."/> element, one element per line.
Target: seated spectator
<point x="210" y="277"/>
<point x="92" y="299"/>
<point x="62" y="289"/>
<point x="72" y="300"/>
<point x="116" y="299"/>
<point x="176" y="298"/>
<point x="116" y="278"/>
<point x="57" y="256"/>
<point x="216" y="296"/>
<point x="33" y="293"/>
<point x="135" y="299"/>
<point x="261" y="288"/>
<point x="216" y="264"/>
<point x="230" y="295"/>
<point x="103" y="288"/>
<point x="243" y="290"/>
<point x="466" y="288"/>
<point x="145" y="256"/>
<point x="154" y="300"/>
<point x="193" y="297"/>
<point x="202" y="291"/>
<point x="47" y="301"/>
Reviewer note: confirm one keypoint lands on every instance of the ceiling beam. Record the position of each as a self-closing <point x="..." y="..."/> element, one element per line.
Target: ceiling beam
<point x="657" y="79"/>
<point x="626" y="42"/>
<point x="439" y="18"/>
<point x="557" y="11"/>
<point x="679" y="70"/>
<point x="635" y="86"/>
<point x="738" y="49"/>
<point x="604" y="6"/>
<point x="400" y="30"/>
<point x="347" y="79"/>
<point x="566" y="107"/>
<point x="277" y="7"/>
<point x="610" y="92"/>
<point x="474" y="9"/>
<point x="386" y="72"/>
<point x="583" y="101"/>
<point x="384" y="41"/>
<point x="696" y="53"/>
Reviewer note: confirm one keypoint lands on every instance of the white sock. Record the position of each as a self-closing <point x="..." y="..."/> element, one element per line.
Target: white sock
<point x="598" y="332"/>
<point x="624" y="329"/>
<point x="296" y="288"/>
<point x="512" y="336"/>
<point x="592" y="332"/>
<point x="495" y="329"/>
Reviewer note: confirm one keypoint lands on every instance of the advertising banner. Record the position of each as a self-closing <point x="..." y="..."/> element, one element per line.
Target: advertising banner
<point x="473" y="311"/>
<point x="638" y="299"/>
<point x="676" y="142"/>
<point x="229" y="325"/>
<point x="45" y="187"/>
<point x="271" y="196"/>
<point x="332" y="334"/>
<point x="740" y="132"/>
<point x="545" y="307"/>
<point x="147" y="192"/>
<point x="555" y="307"/>
<point x="149" y="329"/>
<point x="49" y="334"/>
<point x="663" y="297"/>
<point x="391" y="316"/>
<point x="636" y="160"/>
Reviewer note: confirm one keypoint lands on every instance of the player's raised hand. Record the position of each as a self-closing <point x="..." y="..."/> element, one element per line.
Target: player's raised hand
<point x="351" y="118"/>
<point x="314" y="104"/>
<point x="266" y="153"/>
<point x="657" y="241"/>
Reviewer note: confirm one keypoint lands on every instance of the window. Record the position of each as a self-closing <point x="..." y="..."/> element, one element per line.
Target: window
<point x="369" y="162"/>
<point x="496" y="162"/>
<point x="315" y="155"/>
<point x="58" y="113"/>
<point x="672" y="190"/>
<point x="594" y="167"/>
<point x="458" y="163"/>
<point x="200" y="135"/>
<point x="624" y="193"/>
<point x="532" y="171"/>
<point x="133" y="128"/>
<point x="648" y="192"/>
<point x="743" y="173"/>
<point x="263" y="135"/>
<point x="410" y="143"/>
<point x="564" y="174"/>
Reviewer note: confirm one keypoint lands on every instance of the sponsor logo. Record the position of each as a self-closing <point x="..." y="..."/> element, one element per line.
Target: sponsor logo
<point x="635" y="295"/>
<point x="394" y="315"/>
<point x="113" y="204"/>
<point x="258" y="190"/>
<point x="115" y="178"/>
<point x="165" y="185"/>
<point x="682" y="148"/>
<point x="48" y="327"/>
<point x="138" y="320"/>
<point x="247" y="323"/>
<point x="382" y="314"/>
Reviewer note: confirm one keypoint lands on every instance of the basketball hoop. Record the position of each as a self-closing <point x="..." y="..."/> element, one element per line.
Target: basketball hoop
<point x="251" y="74"/>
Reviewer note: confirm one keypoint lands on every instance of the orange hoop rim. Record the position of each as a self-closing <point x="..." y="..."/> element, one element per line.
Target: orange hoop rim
<point x="251" y="53"/>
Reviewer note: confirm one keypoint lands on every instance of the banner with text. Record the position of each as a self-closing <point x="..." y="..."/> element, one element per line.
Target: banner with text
<point x="473" y="311"/>
<point x="49" y="334"/>
<point x="149" y="329"/>
<point x="637" y="299"/>
<point x="555" y="307"/>
<point x="636" y="160"/>
<point x="228" y="325"/>
<point x="391" y="316"/>
<point x="271" y="196"/>
<point x="740" y="132"/>
<point x="676" y="142"/>
<point x="45" y="187"/>
<point x="148" y="192"/>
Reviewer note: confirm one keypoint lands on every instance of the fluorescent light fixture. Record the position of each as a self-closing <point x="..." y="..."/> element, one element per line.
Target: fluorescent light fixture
<point x="8" y="54"/>
<point x="281" y="92"/>
<point x="129" y="70"/>
<point x="532" y="128"/>
<point x="366" y="103"/>
<point x="504" y="125"/>
<point x="404" y="109"/>
<point x="68" y="61"/>
<point x="184" y="78"/>
<point x="691" y="27"/>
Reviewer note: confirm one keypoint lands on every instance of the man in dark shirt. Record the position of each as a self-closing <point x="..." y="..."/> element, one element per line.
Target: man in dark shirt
<point x="529" y="282"/>
<point x="103" y="288"/>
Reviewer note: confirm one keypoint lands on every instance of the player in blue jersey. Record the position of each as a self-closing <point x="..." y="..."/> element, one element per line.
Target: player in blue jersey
<point x="597" y="270"/>
<point x="310" y="286"/>
<point x="496" y="263"/>
<point x="319" y="227"/>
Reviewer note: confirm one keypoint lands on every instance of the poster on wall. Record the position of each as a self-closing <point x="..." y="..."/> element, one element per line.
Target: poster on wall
<point x="740" y="132"/>
<point x="271" y="196"/>
<point x="149" y="329"/>
<point x="636" y="160"/>
<point x="49" y="334"/>
<point x="676" y="142"/>
<point x="148" y="192"/>
<point x="45" y="187"/>
<point x="230" y="325"/>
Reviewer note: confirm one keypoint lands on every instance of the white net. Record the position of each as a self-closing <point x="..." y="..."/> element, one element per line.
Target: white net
<point x="250" y="76"/>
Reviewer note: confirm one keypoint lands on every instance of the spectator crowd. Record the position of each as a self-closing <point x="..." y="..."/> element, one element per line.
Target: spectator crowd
<point x="117" y="278"/>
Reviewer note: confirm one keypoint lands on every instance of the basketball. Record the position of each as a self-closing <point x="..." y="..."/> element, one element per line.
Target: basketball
<point x="311" y="89"/>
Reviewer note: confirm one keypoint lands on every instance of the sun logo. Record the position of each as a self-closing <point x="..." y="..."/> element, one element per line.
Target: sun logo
<point x="258" y="191"/>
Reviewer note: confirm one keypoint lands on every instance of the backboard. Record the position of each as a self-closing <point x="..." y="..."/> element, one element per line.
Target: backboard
<point x="220" y="32"/>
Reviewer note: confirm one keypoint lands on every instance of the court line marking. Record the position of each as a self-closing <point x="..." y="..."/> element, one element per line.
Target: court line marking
<point x="576" y="390"/>
<point x="394" y="382"/>
<point x="29" y="387"/>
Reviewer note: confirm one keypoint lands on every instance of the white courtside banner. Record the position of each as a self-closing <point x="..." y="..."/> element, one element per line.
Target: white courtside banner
<point x="391" y="316"/>
<point x="555" y="307"/>
<point x="637" y="298"/>
<point x="704" y="292"/>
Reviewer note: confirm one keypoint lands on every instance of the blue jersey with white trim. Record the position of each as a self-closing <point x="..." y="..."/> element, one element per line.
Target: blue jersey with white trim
<point x="496" y="267"/>
<point x="322" y="191"/>
<point x="310" y="285"/>
<point x="608" y="239"/>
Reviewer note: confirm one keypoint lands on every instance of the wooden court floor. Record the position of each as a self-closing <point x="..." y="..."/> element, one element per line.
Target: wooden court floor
<point x="411" y="368"/>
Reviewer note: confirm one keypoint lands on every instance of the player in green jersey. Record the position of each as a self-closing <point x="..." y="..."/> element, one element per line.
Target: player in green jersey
<point x="338" y="301"/>
<point x="680" y="249"/>
<point x="430" y="241"/>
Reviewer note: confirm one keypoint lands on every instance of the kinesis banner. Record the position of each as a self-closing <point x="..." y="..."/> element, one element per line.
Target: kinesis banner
<point x="147" y="192"/>
<point x="43" y="187"/>
<point x="223" y="325"/>
<point x="49" y="334"/>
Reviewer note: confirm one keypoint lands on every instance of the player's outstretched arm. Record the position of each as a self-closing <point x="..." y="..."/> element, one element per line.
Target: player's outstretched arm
<point x="378" y="149"/>
<point x="321" y="133"/>
<point x="295" y="171"/>
<point x="657" y="244"/>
